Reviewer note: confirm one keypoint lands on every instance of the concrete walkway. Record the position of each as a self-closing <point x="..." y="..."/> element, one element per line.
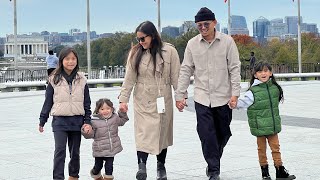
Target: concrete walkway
<point x="27" y="154"/>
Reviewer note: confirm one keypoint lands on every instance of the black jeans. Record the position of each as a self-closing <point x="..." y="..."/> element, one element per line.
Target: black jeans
<point x="213" y="126"/>
<point x="74" y="140"/>
<point x="143" y="156"/>
<point x="98" y="164"/>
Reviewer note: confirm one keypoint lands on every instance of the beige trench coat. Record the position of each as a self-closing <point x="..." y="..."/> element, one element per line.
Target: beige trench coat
<point x="153" y="131"/>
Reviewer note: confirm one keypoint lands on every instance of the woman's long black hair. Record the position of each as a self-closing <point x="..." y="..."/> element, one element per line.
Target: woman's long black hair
<point x="259" y="67"/>
<point x="137" y="51"/>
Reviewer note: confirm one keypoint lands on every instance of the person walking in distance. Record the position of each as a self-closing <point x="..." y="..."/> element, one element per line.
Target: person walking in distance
<point x="52" y="62"/>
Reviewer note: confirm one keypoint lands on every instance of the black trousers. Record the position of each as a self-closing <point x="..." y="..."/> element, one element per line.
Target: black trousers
<point x="213" y="127"/>
<point x="98" y="164"/>
<point x="74" y="140"/>
<point x="143" y="156"/>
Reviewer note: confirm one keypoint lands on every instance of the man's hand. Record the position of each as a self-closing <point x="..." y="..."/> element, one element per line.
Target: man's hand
<point x="181" y="104"/>
<point x="123" y="107"/>
<point x="233" y="102"/>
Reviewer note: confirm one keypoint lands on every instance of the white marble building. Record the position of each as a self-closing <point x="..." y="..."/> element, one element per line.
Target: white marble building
<point x="29" y="47"/>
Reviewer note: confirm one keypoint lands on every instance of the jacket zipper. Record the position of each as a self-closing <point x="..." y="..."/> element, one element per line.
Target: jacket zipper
<point x="108" y="127"/>
<point x="70" y="95"/>
<point x="274" y="124"/>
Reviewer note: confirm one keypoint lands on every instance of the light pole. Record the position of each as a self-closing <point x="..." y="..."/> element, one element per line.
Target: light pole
<point x="15" y="40"/>
<point x="299" y="38"/>
<point x="88" y="40"/>
<point x="159" y="21"/>
<point x="229" y="18"/>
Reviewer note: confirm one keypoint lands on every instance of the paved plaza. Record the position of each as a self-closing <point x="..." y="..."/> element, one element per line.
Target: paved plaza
<point x="27" y="154"/>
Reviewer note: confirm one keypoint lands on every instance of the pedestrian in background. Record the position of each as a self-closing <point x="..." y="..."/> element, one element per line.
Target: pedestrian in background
<point x="252" y="61"/>
<point x="52" y="62"/>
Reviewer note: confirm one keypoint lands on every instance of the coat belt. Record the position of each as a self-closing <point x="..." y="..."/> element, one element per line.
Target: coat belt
<point x="153" y="81"/>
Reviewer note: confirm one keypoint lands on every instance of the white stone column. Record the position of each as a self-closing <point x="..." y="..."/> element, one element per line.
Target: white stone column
<point x="29" y="50"/>
<point x="5" y="49"/>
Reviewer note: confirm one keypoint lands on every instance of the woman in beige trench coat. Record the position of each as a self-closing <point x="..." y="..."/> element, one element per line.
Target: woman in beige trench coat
<point x="152" y="69"/>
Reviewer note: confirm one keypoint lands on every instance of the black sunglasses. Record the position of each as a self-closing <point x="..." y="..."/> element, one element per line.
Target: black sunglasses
<point x="141" y="39"/>
<point x="205" y="24"/>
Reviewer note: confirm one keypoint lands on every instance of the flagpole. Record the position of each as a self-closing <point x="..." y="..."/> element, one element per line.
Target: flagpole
<point x="159" y="21"/>
<point x="299" y="38"/>
<point x="229" y="19"/>
<point x="88" y="40"/>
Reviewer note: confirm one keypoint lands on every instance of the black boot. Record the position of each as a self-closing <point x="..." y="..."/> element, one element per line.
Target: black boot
<point x="265" y="172"/>
<point x="282" y="174"/>
<point x="161" y="171"/>
<point x="142" y="172"/>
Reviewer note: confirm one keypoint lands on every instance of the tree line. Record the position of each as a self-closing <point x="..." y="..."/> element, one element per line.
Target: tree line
<point x="114" y="50"/>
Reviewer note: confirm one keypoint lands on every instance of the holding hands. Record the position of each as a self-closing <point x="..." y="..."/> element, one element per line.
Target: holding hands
<point x="123" y="107"/>
<point x="181" y="104"/>
<point x="233" y="102"/>
<point x="86" y="128"/>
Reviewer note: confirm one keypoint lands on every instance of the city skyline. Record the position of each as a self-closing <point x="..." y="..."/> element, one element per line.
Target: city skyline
<point x="56" y="16"/>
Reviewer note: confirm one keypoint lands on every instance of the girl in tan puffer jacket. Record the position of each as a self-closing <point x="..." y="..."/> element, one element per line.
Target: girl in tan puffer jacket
<point x="106" y="142"/>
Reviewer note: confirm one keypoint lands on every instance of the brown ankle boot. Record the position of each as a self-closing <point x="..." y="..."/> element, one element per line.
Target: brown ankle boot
<point x="96" y="177"/>
<point x="108" y="177"/>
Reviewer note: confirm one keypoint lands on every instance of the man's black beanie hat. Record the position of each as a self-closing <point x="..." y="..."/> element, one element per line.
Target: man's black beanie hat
<point x="204" y="14"/>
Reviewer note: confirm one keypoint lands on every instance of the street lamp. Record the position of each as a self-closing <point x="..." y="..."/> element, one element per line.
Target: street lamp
<point x="159" y="21"/>
<point x="88" y="40"/>
<point x="299" y="38"/>
<point x="15" y="40"/>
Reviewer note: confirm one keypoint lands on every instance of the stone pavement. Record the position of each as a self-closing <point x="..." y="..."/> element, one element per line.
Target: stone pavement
<point x="28" y="154"/>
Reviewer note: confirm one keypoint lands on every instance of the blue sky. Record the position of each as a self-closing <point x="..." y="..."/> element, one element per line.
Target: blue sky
<point x="125" y="15"/>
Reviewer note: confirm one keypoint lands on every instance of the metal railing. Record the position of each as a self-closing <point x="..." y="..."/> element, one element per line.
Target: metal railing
<point x="111" y="72"/>
<point x="283" y="69"/>
<point x="41" y="74"/>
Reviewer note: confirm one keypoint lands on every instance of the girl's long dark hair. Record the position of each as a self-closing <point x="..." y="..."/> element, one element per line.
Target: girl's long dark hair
<point x="259" y="67"/>
<point x="100" y="103"/>
<point x="137" y="51"/>
<point x="58" y="72"/>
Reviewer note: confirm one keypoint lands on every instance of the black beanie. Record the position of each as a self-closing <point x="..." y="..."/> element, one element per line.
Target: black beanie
<point x="204" y="14"/>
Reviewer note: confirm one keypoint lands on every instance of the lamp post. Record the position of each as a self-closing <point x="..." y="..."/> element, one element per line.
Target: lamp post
<point x="159" y="19"/>
<point x="15" y="40"/>
<point x="88" y="40"/>
<point x="299" y="38"/>
<point x="229" y="18"/>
